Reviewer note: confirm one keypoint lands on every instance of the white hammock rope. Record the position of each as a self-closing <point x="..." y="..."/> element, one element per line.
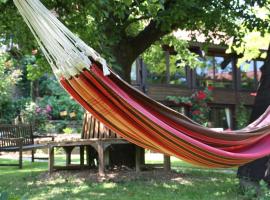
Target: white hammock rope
<point x="67" y="54"/>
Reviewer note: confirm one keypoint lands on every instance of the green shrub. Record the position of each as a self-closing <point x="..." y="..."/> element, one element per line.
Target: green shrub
<point x="59" y="127"/>
<point x="242" y="116"/>
<point x="9" y="110"/>
<point x="198" y="103"/>
<point x="255" y="191"/>
<point x="68" y="130"/>
<point x="9" y="76"/>
<point x="53" y="95"/>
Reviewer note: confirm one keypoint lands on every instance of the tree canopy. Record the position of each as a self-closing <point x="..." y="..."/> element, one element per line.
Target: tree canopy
<point x="8" y="76"/>
<point x="123" y="29"/>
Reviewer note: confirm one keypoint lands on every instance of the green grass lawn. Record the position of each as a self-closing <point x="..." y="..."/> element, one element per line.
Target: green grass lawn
<point x="189" y="182"/>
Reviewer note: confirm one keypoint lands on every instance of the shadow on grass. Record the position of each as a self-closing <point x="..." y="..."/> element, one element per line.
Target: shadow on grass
<point x="62" y="188"/>
<point x="32" y="182"/>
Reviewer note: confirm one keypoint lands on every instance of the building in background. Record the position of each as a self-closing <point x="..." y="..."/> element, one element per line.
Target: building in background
<point x="233" y="86"/>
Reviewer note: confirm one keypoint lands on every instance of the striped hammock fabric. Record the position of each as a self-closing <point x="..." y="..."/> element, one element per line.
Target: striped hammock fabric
<point x="130" y="113"/>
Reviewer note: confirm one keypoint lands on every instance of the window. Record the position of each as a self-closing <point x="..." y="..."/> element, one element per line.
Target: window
<point x="179" y="76"/>
<point x="156" y="76"/>
<point x="133" y="74"/>
<point x="220" y="117"/>
<point x="250" y="74"/>
<point x="157" y="73"/>
<point x="212" y="73"/>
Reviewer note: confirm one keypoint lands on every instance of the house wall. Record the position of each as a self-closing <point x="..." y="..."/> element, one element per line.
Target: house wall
<point x="223" y="98"/>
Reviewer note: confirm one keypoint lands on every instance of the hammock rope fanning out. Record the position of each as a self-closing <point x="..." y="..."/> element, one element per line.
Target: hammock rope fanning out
<point x="132" y="114"/>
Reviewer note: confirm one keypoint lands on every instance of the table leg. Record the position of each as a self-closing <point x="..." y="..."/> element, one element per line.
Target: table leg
<point x="51" y="159"/>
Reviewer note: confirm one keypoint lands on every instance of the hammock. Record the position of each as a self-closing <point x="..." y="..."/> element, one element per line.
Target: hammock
<point x="83" y="73"/>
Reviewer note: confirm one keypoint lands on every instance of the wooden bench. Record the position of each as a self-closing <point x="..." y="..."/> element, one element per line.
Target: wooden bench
<point x="19" y="138"/>
<point x="95" y="141"/>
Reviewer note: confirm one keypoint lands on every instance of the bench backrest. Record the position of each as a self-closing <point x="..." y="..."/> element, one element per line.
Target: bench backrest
<point x="16" y="131"/>
<point x="94" y="129"/>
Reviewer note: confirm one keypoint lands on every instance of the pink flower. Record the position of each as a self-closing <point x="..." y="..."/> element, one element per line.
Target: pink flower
<point x="201" y="95"/>
<point x="38" y="110"/>
<point x="48" y="108"/>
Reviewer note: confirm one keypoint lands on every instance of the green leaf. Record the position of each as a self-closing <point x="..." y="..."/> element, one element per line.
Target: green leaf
<point x="127" y="2"/>
<point x="3" y="1"/>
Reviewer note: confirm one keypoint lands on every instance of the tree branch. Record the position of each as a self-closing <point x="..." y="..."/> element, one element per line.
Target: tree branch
<point x="154" y="31"/>
<point x="148" y="36"/>
<point x="128" y="22"/>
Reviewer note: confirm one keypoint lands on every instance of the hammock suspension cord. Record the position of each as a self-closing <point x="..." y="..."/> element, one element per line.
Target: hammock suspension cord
<point x="66" y="53"/>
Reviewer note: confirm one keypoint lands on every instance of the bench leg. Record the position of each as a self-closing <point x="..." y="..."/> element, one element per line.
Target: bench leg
<point x="51" y="159"/>
<point x="68" y="151"/>
<point x="138" y="157"/>
<point x="33" y="155"/>
<point x="88" y="155"/>
<point x="142" y="156"/>
<point x="91" y="155"/>
<point x="20" y="157"/>
<point x="81" y="155"/>
<point x="167" y="163"/>
<point x="101" y="159"/>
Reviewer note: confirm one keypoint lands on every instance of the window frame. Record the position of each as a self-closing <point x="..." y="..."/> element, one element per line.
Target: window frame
<point x="255" y="76"/>
<point x="214" y="67"/>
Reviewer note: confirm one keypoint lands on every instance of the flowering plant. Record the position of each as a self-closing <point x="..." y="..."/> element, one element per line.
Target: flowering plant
<point x="36" y="115"/>
<point x="198" y="103"/>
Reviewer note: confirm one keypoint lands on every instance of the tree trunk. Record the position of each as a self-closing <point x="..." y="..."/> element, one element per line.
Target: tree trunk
<point x="123" y="69"/>
<point x="124" y="55"/>
<point x="258" y="169"/>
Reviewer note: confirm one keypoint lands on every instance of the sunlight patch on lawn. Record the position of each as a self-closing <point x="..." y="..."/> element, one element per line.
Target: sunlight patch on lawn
<point x="97" y="194"/>
<point x="182" y="181"/>
<point x="51" y="182"/>
<point x="109" y="185"/>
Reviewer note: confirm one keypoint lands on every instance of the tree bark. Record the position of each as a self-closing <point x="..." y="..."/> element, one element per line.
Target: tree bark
<point x="129" y="48"/>
<point x="258" y="169"/>
<point x="124" y="55"/>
